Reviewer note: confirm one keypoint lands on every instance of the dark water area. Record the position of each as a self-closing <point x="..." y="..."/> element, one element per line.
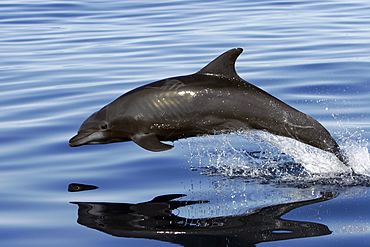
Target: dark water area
<point x="60" y="61"/>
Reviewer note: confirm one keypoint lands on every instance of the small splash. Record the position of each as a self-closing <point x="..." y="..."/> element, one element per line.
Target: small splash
<point x="270" y="158"/>
<point x="357" y="152"/>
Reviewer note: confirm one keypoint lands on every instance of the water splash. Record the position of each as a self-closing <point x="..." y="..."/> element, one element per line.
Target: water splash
<point x="270" y="158"/>
<point x="356" y="149"/>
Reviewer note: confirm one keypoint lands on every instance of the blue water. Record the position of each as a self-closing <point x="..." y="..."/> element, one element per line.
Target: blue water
<point x="62" y="60"/>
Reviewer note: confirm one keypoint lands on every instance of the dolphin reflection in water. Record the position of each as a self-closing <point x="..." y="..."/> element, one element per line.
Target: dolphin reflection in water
<point x="214" y="100"/>
<point x="154" y="220"/>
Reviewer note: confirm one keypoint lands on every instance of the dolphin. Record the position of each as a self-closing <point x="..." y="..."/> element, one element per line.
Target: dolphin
<point x="212" y="101"/>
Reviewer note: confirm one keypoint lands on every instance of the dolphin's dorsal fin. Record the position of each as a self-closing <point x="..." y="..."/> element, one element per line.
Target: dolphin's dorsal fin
<point x="223" y="65"/>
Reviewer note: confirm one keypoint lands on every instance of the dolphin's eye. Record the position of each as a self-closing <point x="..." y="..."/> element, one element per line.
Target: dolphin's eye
<point x="104" y="126"/>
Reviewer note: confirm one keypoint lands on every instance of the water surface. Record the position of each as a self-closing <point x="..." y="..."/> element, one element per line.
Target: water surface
<point x="63" y="60"/>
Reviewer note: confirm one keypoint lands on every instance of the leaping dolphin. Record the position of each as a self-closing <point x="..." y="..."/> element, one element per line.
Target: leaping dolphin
<point x="212" y="101"/>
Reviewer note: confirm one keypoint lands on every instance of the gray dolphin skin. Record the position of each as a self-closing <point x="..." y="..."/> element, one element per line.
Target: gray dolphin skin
<point x="213" y="101"/>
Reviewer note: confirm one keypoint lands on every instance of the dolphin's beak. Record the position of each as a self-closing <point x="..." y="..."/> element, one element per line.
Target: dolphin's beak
<point x="76" y="141"/>
<point x="84" y="138"/>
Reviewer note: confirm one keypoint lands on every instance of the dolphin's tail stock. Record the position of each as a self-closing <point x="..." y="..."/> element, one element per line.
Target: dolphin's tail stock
<point x="339" y="154"/>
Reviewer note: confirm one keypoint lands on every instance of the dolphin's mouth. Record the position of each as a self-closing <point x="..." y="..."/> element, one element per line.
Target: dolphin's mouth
<point x="85" y="138"/>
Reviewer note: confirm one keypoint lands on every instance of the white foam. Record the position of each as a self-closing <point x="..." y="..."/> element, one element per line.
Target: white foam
<point x="231" y="155"/>
<point x="314" y="160"/>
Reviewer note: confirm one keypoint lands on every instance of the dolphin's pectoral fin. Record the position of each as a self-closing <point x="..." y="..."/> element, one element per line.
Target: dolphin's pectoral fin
<point x="150" y="142"/>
